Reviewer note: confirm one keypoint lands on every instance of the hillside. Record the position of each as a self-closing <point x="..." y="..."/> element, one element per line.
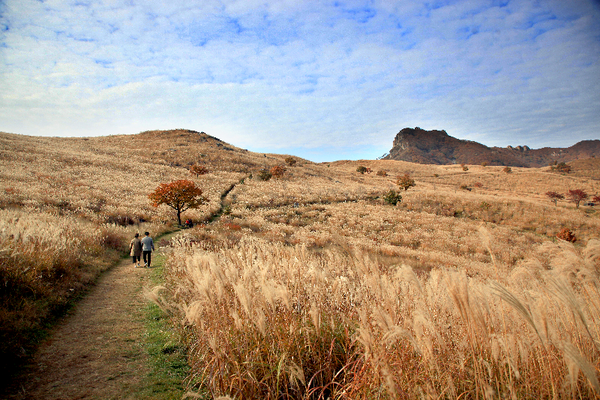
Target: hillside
<point x="311" y="283"/>
<point x="437" y="147"/>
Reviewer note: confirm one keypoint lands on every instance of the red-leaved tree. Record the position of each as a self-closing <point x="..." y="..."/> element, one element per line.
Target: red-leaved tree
<point x="554" y="197"/>
<point x="405" y="181"/>
<point x="180" y="195"/>
<point x="577" y="196"/>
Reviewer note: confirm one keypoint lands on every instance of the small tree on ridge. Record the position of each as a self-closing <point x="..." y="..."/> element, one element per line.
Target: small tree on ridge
<point x="180" y="195"/>
<point x="554" y="197"/>
<point x="577" y="196"/>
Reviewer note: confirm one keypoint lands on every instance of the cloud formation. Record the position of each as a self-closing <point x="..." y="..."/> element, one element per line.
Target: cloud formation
<point x="316" y="79"/>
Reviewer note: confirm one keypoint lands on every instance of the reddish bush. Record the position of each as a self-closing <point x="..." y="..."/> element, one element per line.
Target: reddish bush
<point x="277" y="171"/>
<point x="198" y="170"/>
<point x="405" y="182"/>
<point x="232" y="226"/>
<point x="566" y="234"/>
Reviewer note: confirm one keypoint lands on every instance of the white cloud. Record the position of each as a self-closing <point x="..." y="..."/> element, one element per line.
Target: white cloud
<point x="302" y="74"/>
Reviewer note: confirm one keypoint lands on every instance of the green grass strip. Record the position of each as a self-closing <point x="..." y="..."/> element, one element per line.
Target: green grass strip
<point x="167" y="356"/>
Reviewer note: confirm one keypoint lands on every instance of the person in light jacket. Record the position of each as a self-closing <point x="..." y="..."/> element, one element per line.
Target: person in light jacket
<point x="135" y="250"/>
<point x="147" y="247"/>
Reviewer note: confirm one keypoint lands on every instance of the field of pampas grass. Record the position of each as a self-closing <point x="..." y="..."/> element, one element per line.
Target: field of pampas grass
<point x="313" y="287"/>
<point x="266" y="320"/>
<point x="47" y="260"/>
<point x="68" y="209"/>
<point x="310" y="284"/>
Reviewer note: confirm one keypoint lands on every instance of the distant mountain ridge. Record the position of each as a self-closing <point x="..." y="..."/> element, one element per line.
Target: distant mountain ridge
<point x="437" y="147"/>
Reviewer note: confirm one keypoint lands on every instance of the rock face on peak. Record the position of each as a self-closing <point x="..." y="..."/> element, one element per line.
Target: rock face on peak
<point x="437" y="147"/>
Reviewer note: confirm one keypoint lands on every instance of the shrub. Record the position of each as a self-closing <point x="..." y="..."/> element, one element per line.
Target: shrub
<point x="277" y="171"/>
<point x="198" y="170"/>
<point x="291" y="161"/>
<point x="465" y="187"/>
<point x="264" y="175"/>
<point x="392" y="197"/>
<point x="119" y="219"/>
<point x="382" y="173"/>
<point x="232" y="226"/>
<point x="508" y="170"/>
<point x="561" y="167"/>
<point x="464" y="167"/>
<point x="566" y="234"/>
<point x="405" y="182"/>
<point x="361" y="169"/>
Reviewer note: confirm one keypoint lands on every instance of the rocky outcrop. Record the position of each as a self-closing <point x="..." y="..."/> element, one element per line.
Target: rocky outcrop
<point x="437" y="147"/>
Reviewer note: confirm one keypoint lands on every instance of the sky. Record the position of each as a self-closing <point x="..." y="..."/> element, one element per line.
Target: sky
<point x="323" y="80"/>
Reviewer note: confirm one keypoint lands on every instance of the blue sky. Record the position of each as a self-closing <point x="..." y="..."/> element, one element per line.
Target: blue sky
<point x="324" y="80"/>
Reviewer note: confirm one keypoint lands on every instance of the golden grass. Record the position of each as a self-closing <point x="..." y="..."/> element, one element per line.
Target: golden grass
<point x="68" y="208"/>
<point x="46" y="260"/>
<point x="266" y="320"/>
<point x="309" y="285"/>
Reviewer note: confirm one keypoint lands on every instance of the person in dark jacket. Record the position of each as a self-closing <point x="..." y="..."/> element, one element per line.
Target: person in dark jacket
<point x="147" y="247"/>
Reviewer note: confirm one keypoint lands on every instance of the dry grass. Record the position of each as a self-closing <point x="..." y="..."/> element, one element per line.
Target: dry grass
<point x="46" y="260"/>
<point x="310" y="285"/>
<point x="68" y="208"/>
<point x="266" y="320"/>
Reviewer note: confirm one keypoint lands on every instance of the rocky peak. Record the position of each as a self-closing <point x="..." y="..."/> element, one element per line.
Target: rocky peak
<point x="437" y="147"/>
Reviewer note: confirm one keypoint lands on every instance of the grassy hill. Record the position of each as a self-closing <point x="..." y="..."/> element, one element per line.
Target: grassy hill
<point x="310" y="283"/>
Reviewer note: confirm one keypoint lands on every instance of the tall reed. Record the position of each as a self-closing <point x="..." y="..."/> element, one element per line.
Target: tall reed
<point x="265" y="320"/>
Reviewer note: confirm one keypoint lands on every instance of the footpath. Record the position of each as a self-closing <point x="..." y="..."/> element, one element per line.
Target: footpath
<point x="100" y="350"/>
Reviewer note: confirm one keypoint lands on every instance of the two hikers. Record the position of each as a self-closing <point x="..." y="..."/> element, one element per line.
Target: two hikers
<point x="144" y="247"/>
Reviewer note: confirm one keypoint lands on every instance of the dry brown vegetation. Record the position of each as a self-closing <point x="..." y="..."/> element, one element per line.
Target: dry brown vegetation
<point x="311" y="285"/>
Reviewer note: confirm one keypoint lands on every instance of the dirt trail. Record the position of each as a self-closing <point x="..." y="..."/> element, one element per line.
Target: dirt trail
<point x="97" y="352"/>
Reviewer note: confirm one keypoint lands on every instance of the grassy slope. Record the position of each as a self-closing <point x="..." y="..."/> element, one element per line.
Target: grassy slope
<point x="92" y="182"/>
